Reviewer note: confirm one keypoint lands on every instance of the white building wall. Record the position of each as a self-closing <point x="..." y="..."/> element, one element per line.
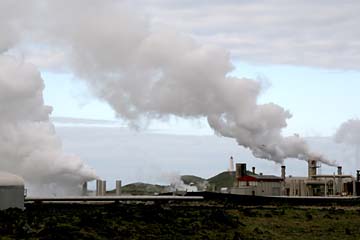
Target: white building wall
<point x="259" y="189"/>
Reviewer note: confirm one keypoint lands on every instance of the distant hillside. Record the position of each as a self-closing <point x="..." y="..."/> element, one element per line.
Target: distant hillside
<point x="224" y="179"/>
<point x="143" y="189"/>
<point x="188" y="179"/>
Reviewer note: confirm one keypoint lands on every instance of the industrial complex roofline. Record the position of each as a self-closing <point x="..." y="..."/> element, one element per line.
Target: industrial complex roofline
<point x="333" y="176"/>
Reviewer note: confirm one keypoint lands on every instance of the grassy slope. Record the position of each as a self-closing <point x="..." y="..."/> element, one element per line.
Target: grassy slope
<point x="143" y="189"/>
<point x="224" y="179"/>
<point x="187" y="179"/>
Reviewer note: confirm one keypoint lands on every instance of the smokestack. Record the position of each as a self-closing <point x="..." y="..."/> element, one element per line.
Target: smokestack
<point x="283" y="172"/>
<point x="118" y="187"/>
<point x="231" y="164"/>
<point x="240" y="170"/>
<point x="339" y="170"/>
<point x="98" y="187"/>
<point x="85" y="189"/>
<point x="253" y="170"/>
<point x="312" y="167"/>
<point x="103" y="188"/>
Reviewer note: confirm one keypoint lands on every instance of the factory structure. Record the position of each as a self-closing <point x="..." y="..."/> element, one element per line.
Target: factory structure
<point x="251" y="183"/>
<point x="258" y="184"/>
<point x="318" y="185"/>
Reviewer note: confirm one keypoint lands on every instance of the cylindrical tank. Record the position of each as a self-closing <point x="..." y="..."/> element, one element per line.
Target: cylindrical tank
<point x="98" y="187"/>
<point x="103" y="188"/>
<point x="118" y="187"/>
<point x="12" y="189"/>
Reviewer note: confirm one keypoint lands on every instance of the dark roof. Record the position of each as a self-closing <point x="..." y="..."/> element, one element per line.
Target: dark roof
<point x="262" y="177"/>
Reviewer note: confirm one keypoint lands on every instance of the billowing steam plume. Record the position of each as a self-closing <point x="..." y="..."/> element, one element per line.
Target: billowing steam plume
<point x="349" y="134"/>
<point x="28" y="145"/>
<point x="145" y="74"/>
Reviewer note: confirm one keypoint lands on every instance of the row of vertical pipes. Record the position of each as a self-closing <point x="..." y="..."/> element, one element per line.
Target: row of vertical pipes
<point x="101" y="188"/>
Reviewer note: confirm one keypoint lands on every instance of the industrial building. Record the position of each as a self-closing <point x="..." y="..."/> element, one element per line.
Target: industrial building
<point x="12" y="189"/>
<point x="319" y="184"/>
<point x="330" y="185"/>
<point x="250" y="183"/>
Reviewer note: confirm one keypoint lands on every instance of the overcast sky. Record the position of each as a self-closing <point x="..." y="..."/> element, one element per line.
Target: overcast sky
<point x="307" y="52"/>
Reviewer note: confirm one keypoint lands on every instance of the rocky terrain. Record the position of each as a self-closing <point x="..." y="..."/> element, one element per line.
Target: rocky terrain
<point x="196" y="220"/>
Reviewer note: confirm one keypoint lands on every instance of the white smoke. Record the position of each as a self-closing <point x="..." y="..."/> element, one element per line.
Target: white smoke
<point x="349" y="134"/>
<point x="176" y="183"/>
<point x="28" y="145"/>
<point x="145" y="74"/>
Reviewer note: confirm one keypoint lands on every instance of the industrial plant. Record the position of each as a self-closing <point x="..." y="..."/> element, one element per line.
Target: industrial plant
<point x="314" y="185"/>
<point x="239" y="182"/>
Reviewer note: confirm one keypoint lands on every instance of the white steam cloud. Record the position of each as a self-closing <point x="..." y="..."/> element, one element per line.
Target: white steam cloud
<point x="145" y="74"/>
<point x="28" y="145"/>
<point x="349" y="134"/>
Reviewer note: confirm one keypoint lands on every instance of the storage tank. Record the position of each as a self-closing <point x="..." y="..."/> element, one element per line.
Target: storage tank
<point x="11" y="191"/>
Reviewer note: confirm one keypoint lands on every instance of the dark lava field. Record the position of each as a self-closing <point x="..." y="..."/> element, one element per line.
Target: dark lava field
<point x="196" y="220"/>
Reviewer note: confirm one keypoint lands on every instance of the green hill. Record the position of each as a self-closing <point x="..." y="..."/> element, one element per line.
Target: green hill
<point x="224" y="179"/>
<point x="188" y="179"/>
<point x="143" y="189"/>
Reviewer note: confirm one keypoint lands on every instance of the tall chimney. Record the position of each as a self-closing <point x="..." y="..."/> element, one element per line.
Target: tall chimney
<point x="118" y="187"/>
<point x="253" y="170"/>
<point x="339" y="170"/>
<point x="98" y="187"/>
<point x="240" y="170"/>
<point x="312" y="167"/>
<point x="283" y="172"/>
<point x="84" y="189"/>
<point x="103" y="188"/>
<point x="231" y="166"/>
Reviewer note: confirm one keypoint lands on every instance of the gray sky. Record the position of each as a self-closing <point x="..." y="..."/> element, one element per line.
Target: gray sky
<point x="321" y="34"/>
